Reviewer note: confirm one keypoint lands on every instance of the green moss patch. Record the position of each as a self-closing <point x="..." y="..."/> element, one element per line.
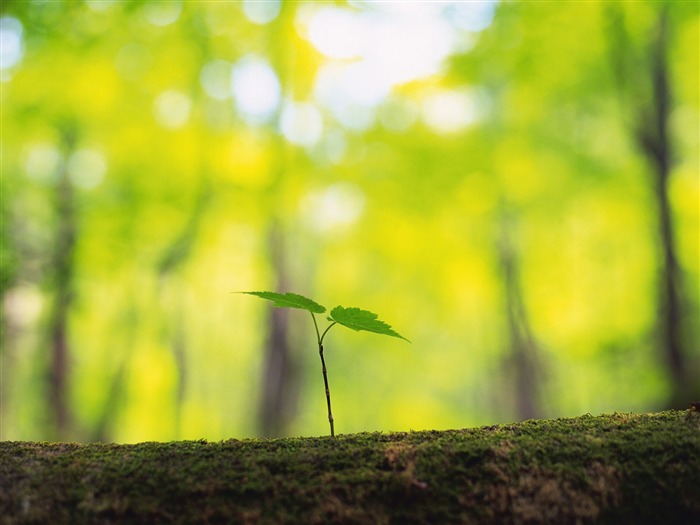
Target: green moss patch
<point x="621" y="468"/>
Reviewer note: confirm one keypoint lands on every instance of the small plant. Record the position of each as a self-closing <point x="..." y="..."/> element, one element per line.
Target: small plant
<point x="353" y="318"/>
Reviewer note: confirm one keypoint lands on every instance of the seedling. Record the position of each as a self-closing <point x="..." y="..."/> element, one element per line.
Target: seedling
<point x="353" y="318"/>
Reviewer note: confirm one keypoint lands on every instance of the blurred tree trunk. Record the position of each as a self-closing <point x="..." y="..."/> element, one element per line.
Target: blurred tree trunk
<point x="280" y="376"/>
<point x="654" y="140"/>
<point x="650" y="108"/>
<point x="63" y="271"/>
<point x="280" y="371"/>
<point x="8" y="279"/>
<point x="522" y="364"/>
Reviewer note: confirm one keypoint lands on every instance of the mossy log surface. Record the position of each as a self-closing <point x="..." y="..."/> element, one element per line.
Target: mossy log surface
<point x="621" y="468"/>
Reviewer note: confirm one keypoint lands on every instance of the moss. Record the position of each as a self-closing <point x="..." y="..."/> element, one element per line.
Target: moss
<point x="629" y="468"/>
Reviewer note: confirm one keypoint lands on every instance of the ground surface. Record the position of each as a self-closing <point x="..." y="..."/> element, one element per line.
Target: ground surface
<point x="621" y="468"/>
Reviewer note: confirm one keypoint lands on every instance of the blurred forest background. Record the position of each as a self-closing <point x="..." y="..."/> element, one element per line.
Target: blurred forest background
<point x="514" y="186"/>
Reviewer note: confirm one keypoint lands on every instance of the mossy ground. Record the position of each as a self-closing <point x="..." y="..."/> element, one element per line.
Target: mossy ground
<point x="621" y="468"/>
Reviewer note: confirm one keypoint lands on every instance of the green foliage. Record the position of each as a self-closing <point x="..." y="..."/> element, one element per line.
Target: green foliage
<point x="358" y="320"/>
<point x="353" y="318"/>
<point x="290" y="300"/>
<point x="395" y="204"/>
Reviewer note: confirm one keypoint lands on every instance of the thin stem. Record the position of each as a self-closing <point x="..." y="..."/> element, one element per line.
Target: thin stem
<point x="325" y="382"/>
<point x="318" y="337"/>
<point x="320" y="341"/>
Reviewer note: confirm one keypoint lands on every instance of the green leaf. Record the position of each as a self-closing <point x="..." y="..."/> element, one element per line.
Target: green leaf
<point x="357" y="319"/>
<point x="290" y="300"/>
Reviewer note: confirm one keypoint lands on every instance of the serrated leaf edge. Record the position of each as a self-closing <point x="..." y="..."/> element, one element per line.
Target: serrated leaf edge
<point x="393" y="333"/>
<point x="282" y="295"/>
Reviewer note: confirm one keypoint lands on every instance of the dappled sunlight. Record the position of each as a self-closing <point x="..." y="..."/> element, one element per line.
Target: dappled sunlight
<point x="448" y="111"/>
<point x="172" y="109"/>
<point x="86" y="168"/>
<point x="334" y="208"/>
<point x="11" y="44"/>
<point x="23" y="306"/>
<point x="216" y="79"/>
<point x="42" y="162"/>
<point x="375" y="51"/>
<point x="262" y="12"/>
<point x="301" y="123"/>
<point x="336" y="32"/>
<point x="256" y="89"/>
<point x="162" y="13"/>
<point x="485" y="176"/>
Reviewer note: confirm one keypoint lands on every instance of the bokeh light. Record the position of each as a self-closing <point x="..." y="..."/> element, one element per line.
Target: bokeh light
<point x="483" y="175"/>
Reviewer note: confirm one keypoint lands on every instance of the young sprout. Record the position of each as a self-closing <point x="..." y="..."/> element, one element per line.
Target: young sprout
<point x="353" y="318"/>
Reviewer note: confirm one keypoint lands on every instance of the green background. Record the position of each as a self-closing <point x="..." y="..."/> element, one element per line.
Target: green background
<point x="499" y="210"/>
